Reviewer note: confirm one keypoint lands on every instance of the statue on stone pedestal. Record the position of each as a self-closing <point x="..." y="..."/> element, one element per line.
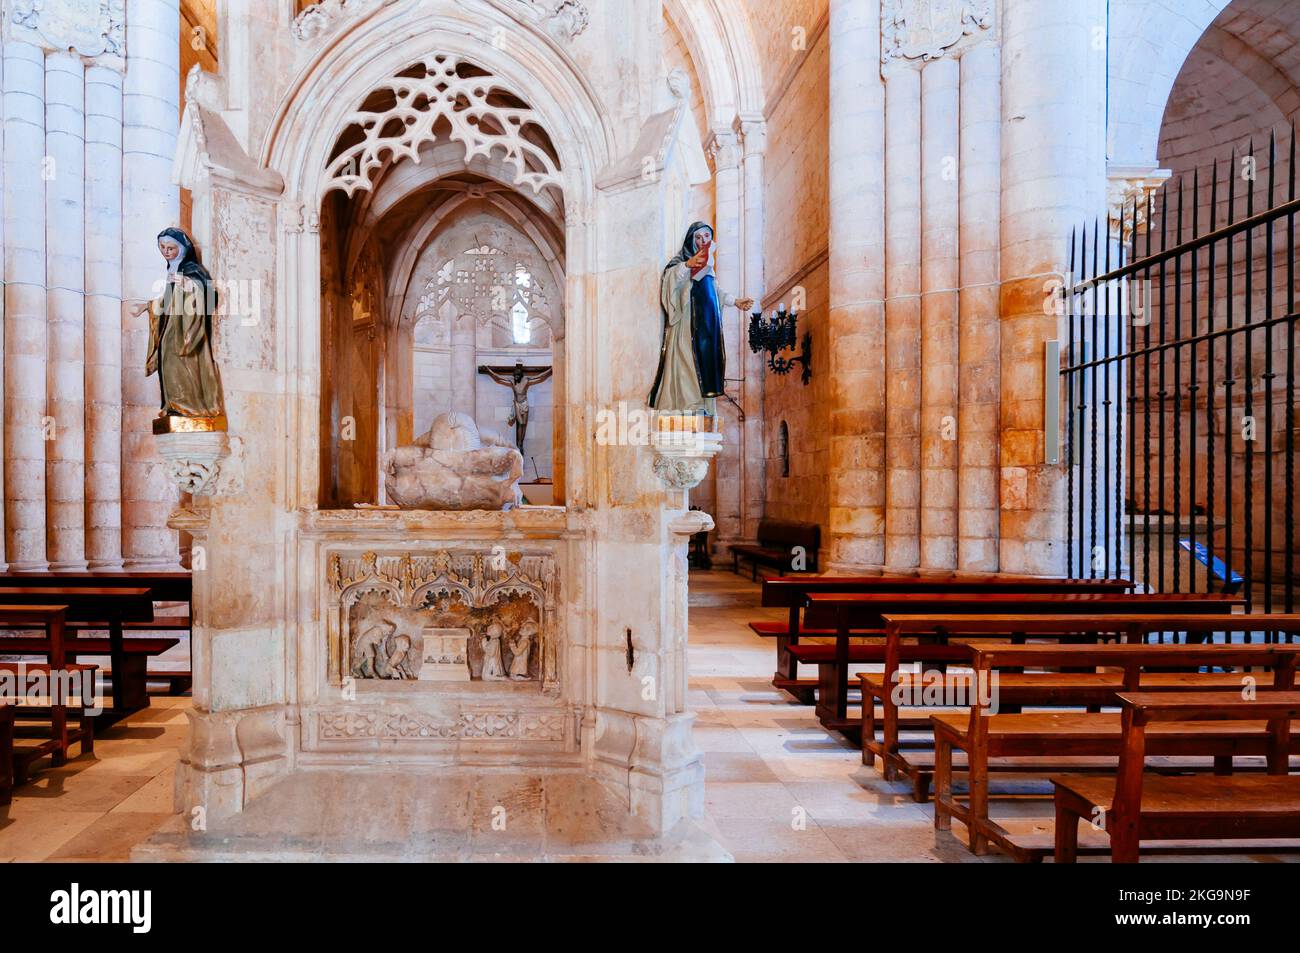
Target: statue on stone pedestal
<point x="180" y="348"/>
<point x="692" y="359"/>
<point x="519" y="379"/>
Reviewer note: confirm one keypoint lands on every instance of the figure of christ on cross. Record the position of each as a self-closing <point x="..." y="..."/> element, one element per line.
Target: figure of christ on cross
<point x="519" y="379"/>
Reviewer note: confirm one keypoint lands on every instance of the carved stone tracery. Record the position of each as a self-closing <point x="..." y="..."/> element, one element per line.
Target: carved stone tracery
<point x="478" y="108"/>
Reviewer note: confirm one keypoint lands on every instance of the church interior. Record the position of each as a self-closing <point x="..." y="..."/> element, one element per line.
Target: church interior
<point x="678" y="430"/>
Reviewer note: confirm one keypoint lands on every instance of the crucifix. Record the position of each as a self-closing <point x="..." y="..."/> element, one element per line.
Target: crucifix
<point x="519" y="379"/>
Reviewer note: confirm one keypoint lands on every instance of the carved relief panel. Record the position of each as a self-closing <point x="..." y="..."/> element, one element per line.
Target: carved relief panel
<point x="456" y="615"/>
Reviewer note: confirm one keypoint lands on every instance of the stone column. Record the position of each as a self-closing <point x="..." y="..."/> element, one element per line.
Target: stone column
<point x="903" y="317"/>
<point x="103" y="355"/>
<point x="978" y="339"/>
<point x="25" y="305"/>
<point x="1053" y="177"/>
<point x="857" y="290"/>
<point x="150" y="203"/>
<point x="464" y="365"/>
<point x="65" y="275"/>
<point x="939" y="262"/>
<point x="725" y="150"/>
<point x="754" y="140"/>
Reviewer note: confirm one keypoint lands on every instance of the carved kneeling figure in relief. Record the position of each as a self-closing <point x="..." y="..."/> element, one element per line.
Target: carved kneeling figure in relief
<point x="380" y="652"/>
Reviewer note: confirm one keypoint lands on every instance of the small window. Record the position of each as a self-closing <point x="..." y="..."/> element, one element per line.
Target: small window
<point x="783" y="448"/>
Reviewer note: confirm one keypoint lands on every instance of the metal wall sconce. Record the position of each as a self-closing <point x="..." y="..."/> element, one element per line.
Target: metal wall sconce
<point x="777" y="333"/>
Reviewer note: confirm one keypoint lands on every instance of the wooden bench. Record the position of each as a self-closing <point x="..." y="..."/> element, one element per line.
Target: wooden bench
<point x="115" y="604"/>
<point x="167" y="585"/>
<point x="1056" y="735"/>
<point x="1137" y="805"/>
<point x="1015" y="689"/>
<point x="791" y="592"/>
<point x="777" y="540"/>
<point x="136" y="653"/>
<point x="57" y="675"/>
<point x="868" y="610"/>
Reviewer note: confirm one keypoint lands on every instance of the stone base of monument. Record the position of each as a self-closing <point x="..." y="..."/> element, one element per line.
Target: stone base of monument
<point x="431" y="815"/>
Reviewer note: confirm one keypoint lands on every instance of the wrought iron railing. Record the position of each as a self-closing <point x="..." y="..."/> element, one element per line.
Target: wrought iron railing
<point x="1179" y="386"/>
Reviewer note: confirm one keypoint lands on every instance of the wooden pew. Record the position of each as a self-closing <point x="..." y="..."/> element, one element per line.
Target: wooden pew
<point x="1071" y="689"/>
<point x="51" y="618"/>
<point x="791" y="592"/>
<point x="1056" y="735"/>
<point x="115" y="604"/>
<point x="1137" y="805"/>
<point x="867" y="610"/>
<point x="167" y="585"/>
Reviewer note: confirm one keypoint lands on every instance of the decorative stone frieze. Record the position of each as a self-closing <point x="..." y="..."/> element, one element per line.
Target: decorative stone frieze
<point x="91" y="28"/>
<point x="927" y="29"/>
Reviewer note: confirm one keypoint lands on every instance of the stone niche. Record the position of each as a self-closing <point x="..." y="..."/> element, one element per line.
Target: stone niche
<point x="435" y="647"/>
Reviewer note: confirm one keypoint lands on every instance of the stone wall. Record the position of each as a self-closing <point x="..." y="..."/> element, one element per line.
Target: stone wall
<point x="795" y="249"/>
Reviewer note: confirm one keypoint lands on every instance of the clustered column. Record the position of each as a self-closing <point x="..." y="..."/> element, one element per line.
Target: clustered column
<point x="149" y="203"/>
<point x="857" y="287"/>
<point x="728" y="267"/>
<point x="980" y="178"/>
<point x="1053" y="175"/>
<point x="65" y="200"/>
<point x="903" y="317"/>
<point x="65" y="273"/>
<point x="942" y="278"/>
<point x="25" y="305"/>
<point x="939" y="223"/>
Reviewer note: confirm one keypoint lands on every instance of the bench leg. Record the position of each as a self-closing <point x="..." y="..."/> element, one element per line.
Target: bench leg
<point x="1067" y="834"/>
<point x="58" y="732"/>
<point x="979" y="798"/>
<point x="942" y="782"/>
<point x="87" y="725"/>
<point x="921" y="787"/>
<point x="868" y="727"/>
<point x="1223" y="764"/>
<point x="1123" y="840"/>
<point x="6" y="760"/>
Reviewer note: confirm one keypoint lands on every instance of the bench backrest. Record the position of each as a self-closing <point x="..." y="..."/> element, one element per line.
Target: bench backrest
<point x="1133" y="625"/>
<point x="85" y="602"/>
<point x="167" y="585"/>
<point x="867" y="610"/>
<point x="1138" y="709"/>
<point x="786" y="533"/>
<point x="785" y="591"/>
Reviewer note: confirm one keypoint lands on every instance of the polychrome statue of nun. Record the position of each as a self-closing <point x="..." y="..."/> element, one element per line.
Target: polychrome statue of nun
<point x="180" y="335"/>
<point x="692" y="359"/>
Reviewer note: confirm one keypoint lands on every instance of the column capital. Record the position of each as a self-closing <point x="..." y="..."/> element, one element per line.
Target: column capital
<point x="1130" y="186"/>
<point x="752" y="133"/>
<point x="909" y="32"/>
<point x="722" y="148"/>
